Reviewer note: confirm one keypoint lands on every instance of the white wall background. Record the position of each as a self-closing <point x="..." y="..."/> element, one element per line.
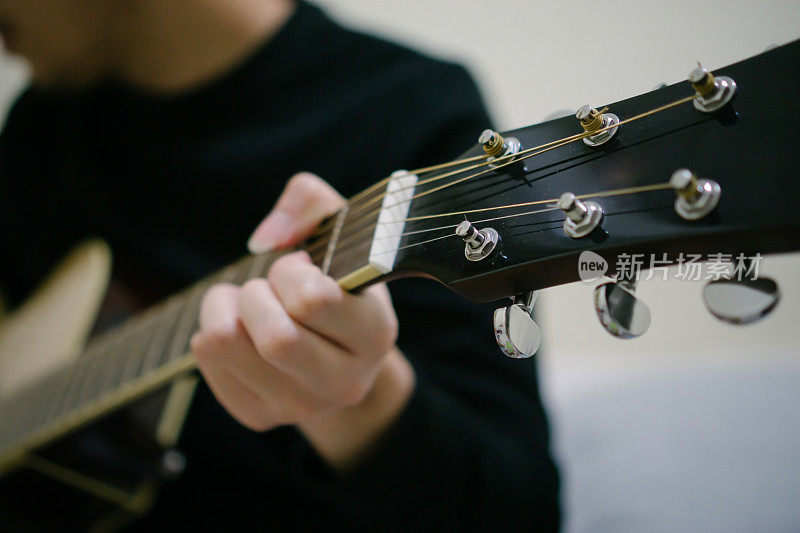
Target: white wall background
<point x="695" y="426"/>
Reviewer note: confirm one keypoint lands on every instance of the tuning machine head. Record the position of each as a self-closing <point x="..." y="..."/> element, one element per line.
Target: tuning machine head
<point x="620" y="311"/>
<point x="517" y="334"/>
<point x="592" y="120"/>
<point x="711" y="93"/>
<point x="696" y="197"/>
<point x="479" y="243"/>
<point x="743" y="297"/>
<point x="582" y="218"/>
<point x="498" y="147"/>
<point x="743" y="301"/>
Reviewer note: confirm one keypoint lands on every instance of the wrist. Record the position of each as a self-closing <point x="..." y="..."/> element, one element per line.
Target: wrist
<point x="344" y="437"/>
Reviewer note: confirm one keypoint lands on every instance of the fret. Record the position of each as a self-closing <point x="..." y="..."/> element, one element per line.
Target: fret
<point x="134" y="357"/>
<point x="59" y="399"/>
<point x="341" y="216"/>
<point x="74" y="387"/>
<point x="60" y="385"/>
<point x="5" y="420"/>
<point x="103" y="368"/>
<point x="86" y="383"/>
<point x="349" y="259"/>
<point x="160" y="330"/>
<point x="58" y="389"/>
<point x="186" y="323"/>
<point x="167" y="332"/>
<point x="226" y="275"/>
<point x="51" y="385"/>
<point x="135" y="354"/>
<point x="97" y="363"/>
<point x="257" y="267"/>
<point x="149" y="326"/>
<point x="36" y="400"/>
<point x="12" y="413"/>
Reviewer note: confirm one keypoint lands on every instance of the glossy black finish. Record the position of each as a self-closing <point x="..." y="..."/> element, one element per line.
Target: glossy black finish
<point x="751" y="147"/>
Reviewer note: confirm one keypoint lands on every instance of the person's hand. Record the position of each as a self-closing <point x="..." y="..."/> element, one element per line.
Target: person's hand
<point x="295" y="348"/>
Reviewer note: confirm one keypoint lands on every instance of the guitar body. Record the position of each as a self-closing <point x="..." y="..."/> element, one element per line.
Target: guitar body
<point x="106" y="473"/>
<point x="52" y="327"/>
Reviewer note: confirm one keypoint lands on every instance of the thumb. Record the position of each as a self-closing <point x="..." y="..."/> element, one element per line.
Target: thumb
<point x="304" y="202"/>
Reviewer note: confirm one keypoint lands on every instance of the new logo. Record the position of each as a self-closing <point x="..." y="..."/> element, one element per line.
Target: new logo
<point x="591" y="266"/>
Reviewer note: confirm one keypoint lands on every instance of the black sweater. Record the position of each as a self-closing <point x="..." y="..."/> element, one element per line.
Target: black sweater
<point x="176" y="184"/>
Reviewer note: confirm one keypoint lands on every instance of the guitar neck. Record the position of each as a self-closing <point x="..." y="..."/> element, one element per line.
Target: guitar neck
<point x="117" y="367"/>
<point x="150" y="349"/>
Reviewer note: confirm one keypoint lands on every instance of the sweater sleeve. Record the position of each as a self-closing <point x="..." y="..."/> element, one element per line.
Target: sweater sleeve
<point x="471" y="447"/>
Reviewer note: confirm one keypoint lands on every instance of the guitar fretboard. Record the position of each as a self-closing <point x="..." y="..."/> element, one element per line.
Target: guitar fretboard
<point x="127" y="357"/>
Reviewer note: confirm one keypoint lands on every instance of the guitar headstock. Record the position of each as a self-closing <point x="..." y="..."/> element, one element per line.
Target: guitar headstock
<point x="701" y="169"/>
<point x="740" y="137"/>
<point x="706" y="167"/>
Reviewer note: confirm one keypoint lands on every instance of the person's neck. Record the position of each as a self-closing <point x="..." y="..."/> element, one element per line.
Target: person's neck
<point x="172" y="46"/>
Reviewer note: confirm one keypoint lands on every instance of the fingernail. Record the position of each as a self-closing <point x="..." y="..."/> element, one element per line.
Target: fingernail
<point x="274" y="230"/>
<point x="302" y="255"/>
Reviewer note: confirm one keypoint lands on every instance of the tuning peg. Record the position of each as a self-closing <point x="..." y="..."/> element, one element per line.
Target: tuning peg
<point x="592" y="120"/>
<point x="621" y="313"/>
<point x="479" y="243"/>
<point x="582" y="217"/>
<point x="696" y="198"/>
<point x="711" y="93"/>
<point x="739" y="299"/>
<point x="495" y="145"/>
<point x="517" y="335"/>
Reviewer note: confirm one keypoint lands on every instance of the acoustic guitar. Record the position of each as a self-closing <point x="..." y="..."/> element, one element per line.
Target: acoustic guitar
<point x="705" y="166"/>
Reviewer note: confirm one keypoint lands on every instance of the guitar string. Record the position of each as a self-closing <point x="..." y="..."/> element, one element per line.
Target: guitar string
<point x="602" y="194"/>
<point x="347" y="237"/>
<point x="350" y="236"/>
<point x="422" y="170"/>
<point x="353" y="200"/>
<point x="525" y="154"/>
<point x="520" y="156"/>
<point x="510" y="157"/>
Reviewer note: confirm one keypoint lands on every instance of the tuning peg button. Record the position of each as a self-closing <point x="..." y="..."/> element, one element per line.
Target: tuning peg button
<point x="741" y="301"/>
<point x="620" y="311"/>
<point x="517" y="334"/>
